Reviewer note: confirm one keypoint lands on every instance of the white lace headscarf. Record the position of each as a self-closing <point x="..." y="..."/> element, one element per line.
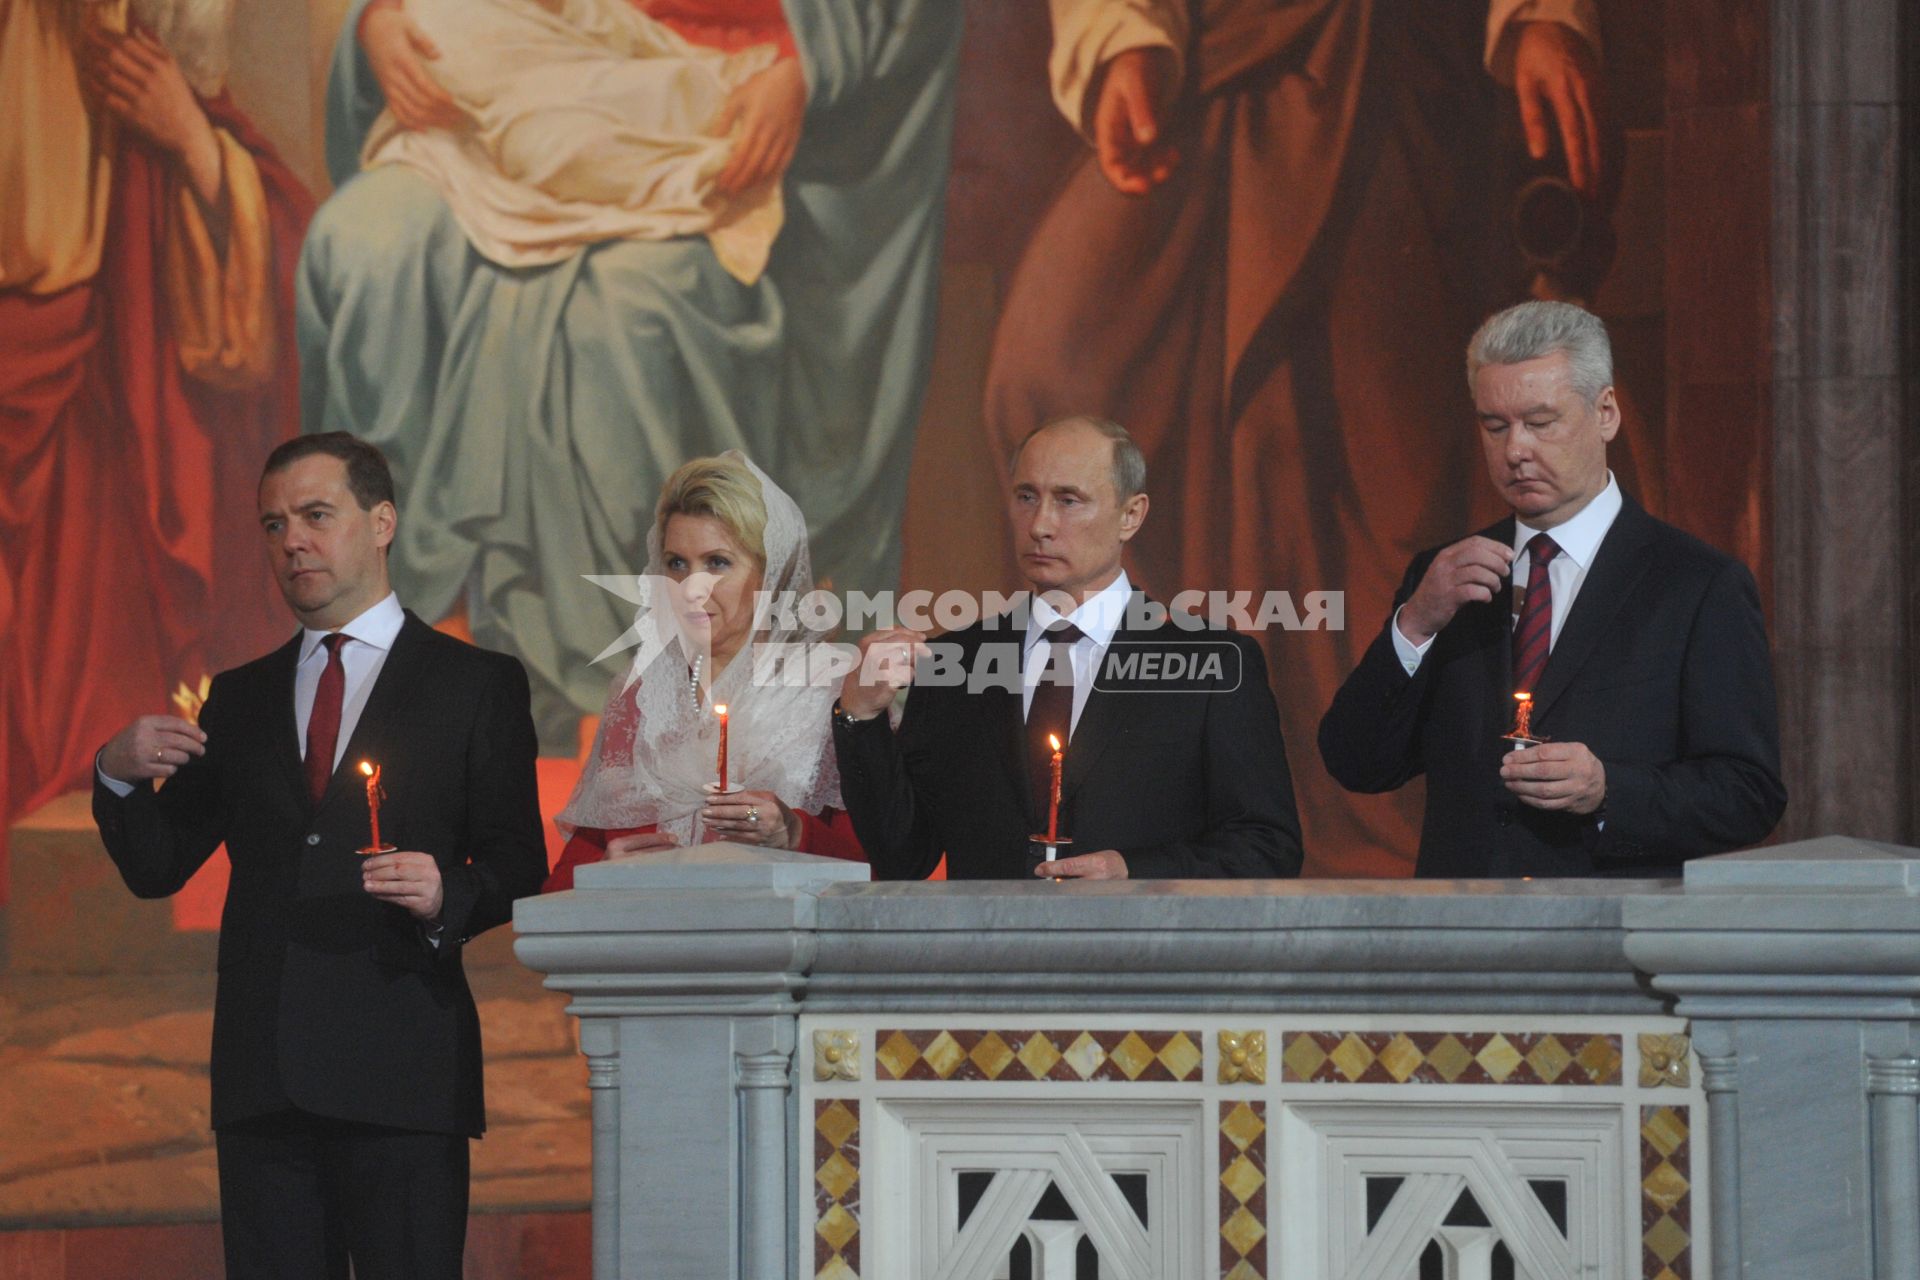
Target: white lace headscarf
<point x="656" y="750"/>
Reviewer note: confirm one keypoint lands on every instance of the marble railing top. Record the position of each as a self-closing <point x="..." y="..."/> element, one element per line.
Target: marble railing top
<point x="690" y="925"/>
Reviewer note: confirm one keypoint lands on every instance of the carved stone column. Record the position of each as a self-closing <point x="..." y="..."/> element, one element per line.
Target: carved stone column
<point x="1719" y="1050"/>
<point x="600" y="1042"/>
<point x="1893" y="1088"/>
<point x="761" y="1070"/>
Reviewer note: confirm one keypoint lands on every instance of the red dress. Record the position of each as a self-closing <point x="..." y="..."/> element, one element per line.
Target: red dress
<point x="729" y="25"/>
<point x="830" y="835"/>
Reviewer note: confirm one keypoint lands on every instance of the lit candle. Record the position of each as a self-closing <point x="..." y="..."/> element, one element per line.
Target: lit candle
<point x="720" y="710"/>
<point x="1053" y="804"/>
<point x="1523" y="714"/>
<point x="374" y="793"/>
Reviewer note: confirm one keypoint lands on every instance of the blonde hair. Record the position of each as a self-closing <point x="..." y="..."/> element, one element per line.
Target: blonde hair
<point x="724" y="489"/>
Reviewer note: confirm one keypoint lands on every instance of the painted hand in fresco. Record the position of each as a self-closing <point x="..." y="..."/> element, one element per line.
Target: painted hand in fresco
<point x="142" y="86"/>
<point x="1129" y="119"/>
<point x="764" y="115"/>
<point x="1556" y="775"/>
<point x="398" y="51"/>
<point x="1558" y="80"/>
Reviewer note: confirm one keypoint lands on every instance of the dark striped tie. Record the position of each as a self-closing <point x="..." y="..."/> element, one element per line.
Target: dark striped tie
<point x="1533" y="635"/>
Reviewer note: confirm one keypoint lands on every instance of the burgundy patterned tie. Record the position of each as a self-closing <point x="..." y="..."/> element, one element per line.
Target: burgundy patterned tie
<point x="1533" y="634"/>
<point x="323" y="725"/>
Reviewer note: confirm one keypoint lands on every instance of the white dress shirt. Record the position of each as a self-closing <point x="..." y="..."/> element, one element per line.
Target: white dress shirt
<point x="369" y="637"/>
<point x="1097" y="619"/>
<point x="1579" y="541"/>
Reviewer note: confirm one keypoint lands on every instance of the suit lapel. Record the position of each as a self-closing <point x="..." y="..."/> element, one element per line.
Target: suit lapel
<point x="1104" y="713"/>
<point x="399" y="677"/>
<point x="287" y="747"/>
<point x="1006" y="725"/>
<point x="1617" y="567"/>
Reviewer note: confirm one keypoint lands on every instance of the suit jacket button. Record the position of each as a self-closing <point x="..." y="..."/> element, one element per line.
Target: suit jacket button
<point x="1504" y="817"/>
<point x="313" y="837"/>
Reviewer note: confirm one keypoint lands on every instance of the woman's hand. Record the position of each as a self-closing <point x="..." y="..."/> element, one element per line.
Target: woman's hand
<point x="764" y="116"/>
<point x="140" y="83"/>
<point x="645" y="842"/>
<point x="398" y="51"/>
<point x="751" y="817"/>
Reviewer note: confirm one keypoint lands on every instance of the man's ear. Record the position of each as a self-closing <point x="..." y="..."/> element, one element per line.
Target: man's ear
<point x="386" y="518"/>
<point x="1133" y="514"/>
<point x="1608" y="408"/>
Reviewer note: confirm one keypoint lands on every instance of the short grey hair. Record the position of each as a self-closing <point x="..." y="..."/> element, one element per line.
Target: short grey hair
<point x="1129" y="464"/>
<point x="1535" y="329"/>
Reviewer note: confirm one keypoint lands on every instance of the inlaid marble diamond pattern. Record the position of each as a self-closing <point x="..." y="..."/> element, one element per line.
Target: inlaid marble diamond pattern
<point x="1666" y="1193"/>
<point x="836" y="1189"/>
<point x="1074" y="1056"/>
<point x="1243" y="1191"/>
<point x="1449" y="1057"/>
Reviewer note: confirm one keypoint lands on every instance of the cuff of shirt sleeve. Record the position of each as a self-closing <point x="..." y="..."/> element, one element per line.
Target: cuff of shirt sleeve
<point x="119" y="788"/>
<point x="1409" y="653"/>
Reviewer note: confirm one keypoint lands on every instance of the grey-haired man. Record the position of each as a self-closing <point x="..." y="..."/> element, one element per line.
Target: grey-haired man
<point x="1642" y="651"/>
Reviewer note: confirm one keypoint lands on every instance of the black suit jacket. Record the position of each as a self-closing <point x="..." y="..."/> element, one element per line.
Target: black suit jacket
<point x="330" y="1000"/>
<point x="1186" y="777"/>
<point x="1661" y="670"/>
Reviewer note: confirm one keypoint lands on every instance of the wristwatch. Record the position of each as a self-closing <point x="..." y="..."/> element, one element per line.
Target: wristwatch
<point x="844" y="717"/>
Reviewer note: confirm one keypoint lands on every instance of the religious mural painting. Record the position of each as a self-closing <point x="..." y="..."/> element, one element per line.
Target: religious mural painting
<point x="1255" y="233"/>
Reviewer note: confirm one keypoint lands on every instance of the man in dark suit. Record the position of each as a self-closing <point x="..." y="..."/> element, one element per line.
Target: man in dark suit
<point x="1173" y="761"/>
<point x="1643" y="651"/>
<point x="346" y="1047"/>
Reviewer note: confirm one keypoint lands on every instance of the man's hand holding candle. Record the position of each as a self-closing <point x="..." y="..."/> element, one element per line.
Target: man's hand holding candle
<point x="406" y="879"/>
<point x="1105" y="864"/>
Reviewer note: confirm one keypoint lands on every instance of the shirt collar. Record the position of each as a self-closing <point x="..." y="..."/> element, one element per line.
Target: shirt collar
<point x="378" y="626"/>
<point x="1097" y="618"/>
<point x="1579" y="538"/>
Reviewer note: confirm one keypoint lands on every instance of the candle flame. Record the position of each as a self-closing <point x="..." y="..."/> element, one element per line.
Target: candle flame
<point x="720" y="708"/>
<point x="1523" y="696"/>
<point x="1054" y="741"/>
<point x="366" y="768"/>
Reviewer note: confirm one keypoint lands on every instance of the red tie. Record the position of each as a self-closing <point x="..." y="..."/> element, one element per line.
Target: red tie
<point x="323" y="726"/>
<point x="1533" y="635"/>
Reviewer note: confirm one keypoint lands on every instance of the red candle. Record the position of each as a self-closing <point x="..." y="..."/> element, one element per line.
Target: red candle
<point x="1053" y="803"/>
<point x="720" y="709"/>
<point x="373" y="801"/>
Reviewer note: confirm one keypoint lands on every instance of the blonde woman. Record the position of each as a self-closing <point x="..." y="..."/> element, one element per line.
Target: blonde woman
<point x="725" y="542"/>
